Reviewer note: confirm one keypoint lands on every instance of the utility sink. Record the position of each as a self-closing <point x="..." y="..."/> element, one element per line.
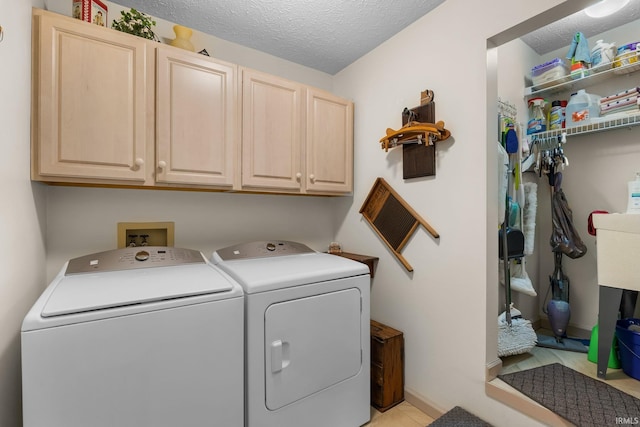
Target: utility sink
<point x="618" y="250"/>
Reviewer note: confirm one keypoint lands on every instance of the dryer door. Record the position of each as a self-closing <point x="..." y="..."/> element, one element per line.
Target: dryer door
<point x="311" y="344"/>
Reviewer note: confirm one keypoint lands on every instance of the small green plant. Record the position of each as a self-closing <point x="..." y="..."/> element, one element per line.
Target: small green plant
<point x="136" y="23"/>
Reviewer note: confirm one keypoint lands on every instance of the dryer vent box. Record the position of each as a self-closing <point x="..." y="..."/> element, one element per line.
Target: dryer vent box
<point x="145" y="234"/>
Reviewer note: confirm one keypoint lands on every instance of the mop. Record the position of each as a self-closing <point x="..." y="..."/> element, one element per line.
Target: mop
<point x="515" y="334"/>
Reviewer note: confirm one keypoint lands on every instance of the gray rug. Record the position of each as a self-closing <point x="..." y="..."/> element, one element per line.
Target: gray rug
<point x="458" y="417"/>
<point x="580" y="399"/>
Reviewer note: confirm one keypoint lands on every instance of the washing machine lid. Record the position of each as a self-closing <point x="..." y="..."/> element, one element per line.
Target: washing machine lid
<point x="131" y="276"/>
<point x="283" y="267"/>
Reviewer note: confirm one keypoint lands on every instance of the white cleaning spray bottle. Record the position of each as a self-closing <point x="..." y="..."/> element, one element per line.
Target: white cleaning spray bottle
<point x="633" y="204"/>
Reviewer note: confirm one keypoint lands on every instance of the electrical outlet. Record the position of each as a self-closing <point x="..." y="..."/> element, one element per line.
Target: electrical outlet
<point x="145" y="234"/>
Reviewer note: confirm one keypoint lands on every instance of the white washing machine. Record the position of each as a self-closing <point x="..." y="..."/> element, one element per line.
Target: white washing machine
<point x="136" y="337"/>
<point x="307" y="334"/>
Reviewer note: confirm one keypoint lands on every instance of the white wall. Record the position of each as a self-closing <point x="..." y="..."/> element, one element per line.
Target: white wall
<point x="22" y="211"/>
<point x="446" y="304"/>
<point x="444" y="307"/>
<point x="84" y="220"/>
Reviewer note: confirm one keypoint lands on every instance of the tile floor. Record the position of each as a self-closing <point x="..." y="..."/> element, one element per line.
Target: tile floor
<point x="406" y="415"/>
<point x="402" y="415"/>
<point x="540" y="356"/>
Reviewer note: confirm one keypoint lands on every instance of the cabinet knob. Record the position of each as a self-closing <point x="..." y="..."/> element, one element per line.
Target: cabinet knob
<point x="298" y="175"/>
<point x="162" y="164"/>
<point x="312" y="177"/>
<point x="139" y="162"/>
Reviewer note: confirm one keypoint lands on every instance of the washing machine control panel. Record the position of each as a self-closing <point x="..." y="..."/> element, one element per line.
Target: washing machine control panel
<point x="132" y="258"/>
<point x="262" y="249"/>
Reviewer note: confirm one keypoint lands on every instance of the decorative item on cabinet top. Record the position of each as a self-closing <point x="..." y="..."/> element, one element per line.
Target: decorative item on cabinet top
<point x="417" y="136"/>
<point x="183" y="38"/>
<point x="137" y="23"/>
<point x="93" y="11"/>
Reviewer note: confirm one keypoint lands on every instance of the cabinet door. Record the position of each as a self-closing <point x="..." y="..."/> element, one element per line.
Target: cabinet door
<point x="196" y="119"/>
<point x="329" y="148"/>
<point x="90" y="100"/>
<point x="271" y="132"/>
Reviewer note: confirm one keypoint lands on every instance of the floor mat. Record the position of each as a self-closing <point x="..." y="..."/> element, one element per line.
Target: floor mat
<point x="580" y="399"/>
<point x="458" y="417"/>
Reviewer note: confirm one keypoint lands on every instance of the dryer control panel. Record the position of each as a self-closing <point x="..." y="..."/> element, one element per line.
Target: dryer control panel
<point x="262" y="249"/>
<point x="132" y="258"/>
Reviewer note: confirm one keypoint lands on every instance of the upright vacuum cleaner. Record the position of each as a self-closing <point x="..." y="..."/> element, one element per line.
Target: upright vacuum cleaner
<point x="558" y="309"/>
<point x="564" y="241"/>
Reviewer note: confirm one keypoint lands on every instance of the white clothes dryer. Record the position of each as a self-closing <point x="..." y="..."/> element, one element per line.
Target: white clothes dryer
<point x="307" y="334"/>
<point x="147" y="336"/>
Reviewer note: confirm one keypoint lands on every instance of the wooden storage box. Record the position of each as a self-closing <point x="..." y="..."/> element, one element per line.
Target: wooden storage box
<point x="387" y="366"/>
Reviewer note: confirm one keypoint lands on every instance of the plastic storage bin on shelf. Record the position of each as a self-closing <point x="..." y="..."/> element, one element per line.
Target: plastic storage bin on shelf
<point x="629" y="346"/>
<point x="579" y="70"/>
<point x="549" y="74"/>
<point x="628" y="54"/>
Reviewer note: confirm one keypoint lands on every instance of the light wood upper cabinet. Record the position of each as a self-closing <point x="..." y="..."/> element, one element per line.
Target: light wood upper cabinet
<point x="271" y="132"/>
<point x="110" y="108"/>
<point x="90" y="100"/>
<point x="295" y="138"/>
<point x="196" y="119"/>
<point x="329" y="143"/>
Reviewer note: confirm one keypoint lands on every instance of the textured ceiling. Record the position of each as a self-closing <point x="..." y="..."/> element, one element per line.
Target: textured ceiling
<point x="326" y="35"/>
<point x="560" y="33"/>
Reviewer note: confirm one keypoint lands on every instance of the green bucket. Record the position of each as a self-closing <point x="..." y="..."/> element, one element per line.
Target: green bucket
<point x="592" y="355"/>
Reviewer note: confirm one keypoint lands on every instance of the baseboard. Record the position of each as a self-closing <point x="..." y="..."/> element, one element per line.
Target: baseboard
<point x="422" y="404"/>
<point x="503" y="392"/>
<point x="493" y="369"/>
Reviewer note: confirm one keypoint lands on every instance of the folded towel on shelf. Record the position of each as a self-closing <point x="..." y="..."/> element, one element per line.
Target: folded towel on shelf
<point x="634" y="91"/>
<point x="621" y="112"/>
<point x="619" y="105"/>
<point x="629" y="108"/>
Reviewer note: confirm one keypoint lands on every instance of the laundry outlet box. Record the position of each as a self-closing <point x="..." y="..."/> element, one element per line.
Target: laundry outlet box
<point x="618" y="250"/>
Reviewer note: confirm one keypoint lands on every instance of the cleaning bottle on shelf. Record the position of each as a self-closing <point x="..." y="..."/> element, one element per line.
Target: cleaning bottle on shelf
<point x="581" y="108"/>
<point x="602" y="54"/>
<point x="633" y="204"/>
<point x="556" y="115"/>
<point x="537" y="117"/>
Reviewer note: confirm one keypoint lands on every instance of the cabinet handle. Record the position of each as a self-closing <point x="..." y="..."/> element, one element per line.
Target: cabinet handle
<point x="312" y="177"/>
<point x="298" y="176"/>
<point x="138" y="163"/>
<point x="162" y="164"/>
